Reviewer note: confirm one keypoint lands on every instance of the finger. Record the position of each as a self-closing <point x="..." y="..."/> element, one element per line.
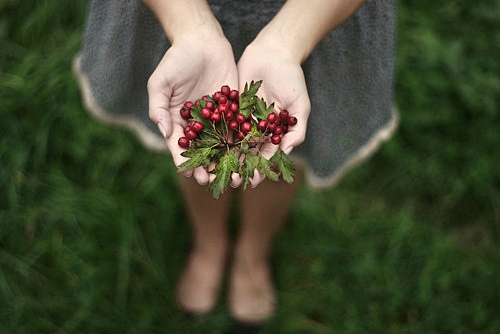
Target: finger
<point x="294" y="137"/>
<point x="201" y="175"/>
<point x="297" y="133"/>
<point x="236" y="180"/>
<point x="159" y="103"/>
<point x="211" y="174"/>
<point x="256" y="179"/>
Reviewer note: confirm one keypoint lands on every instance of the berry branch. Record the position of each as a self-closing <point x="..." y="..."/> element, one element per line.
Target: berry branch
<point x="227" y="129"/>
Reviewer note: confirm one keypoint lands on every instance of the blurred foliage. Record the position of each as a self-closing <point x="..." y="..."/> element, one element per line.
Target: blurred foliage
<point x="449" y="93"/>
<point x="93" y="234"/>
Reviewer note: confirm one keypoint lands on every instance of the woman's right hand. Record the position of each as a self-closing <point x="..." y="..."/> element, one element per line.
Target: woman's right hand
<point x="197" y="63"/>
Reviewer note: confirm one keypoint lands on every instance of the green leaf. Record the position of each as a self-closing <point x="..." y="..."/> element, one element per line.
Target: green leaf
<point x="195" y="112"/>
<point x="254" y="87"/>
<point x="248" y="98"/>
<point x="227" y="164"/>
<point x="247" y="107"/>
<point x="199" y="157"/>
<point x="244" y="148"/>
<point x="264" y="167"/>
<point x="217" y="153"/>
<point x="261" y="109"/>
<point x="250" y="90"/>
<point x="284" y="164"/>
<point x="248" y="167"/>
<point x="207" y="141"/>
<point x="270" y="109"/>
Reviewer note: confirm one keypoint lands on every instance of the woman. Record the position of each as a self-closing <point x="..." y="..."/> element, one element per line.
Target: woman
<point x="328" y="62"/>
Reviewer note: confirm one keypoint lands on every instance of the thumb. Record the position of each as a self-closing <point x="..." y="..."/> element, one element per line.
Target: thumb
<point x="159" y="103"/>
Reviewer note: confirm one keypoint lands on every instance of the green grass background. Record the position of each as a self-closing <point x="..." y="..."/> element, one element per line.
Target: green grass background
<point x="92" y="229"/>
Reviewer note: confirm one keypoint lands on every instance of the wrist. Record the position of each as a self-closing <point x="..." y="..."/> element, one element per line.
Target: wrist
<point x="299" y="26"/>
<point x="276" y="39"/>
<point x="205" y="28"/>
<point x="204" y="33"/>
<point x="187" y="17"/>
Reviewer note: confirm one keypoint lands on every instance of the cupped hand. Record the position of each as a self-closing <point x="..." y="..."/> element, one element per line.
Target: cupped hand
<point x="195" y="65"/>
<point x="283" y="83"/>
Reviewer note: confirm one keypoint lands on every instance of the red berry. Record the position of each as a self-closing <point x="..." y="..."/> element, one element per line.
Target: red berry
<point x="276" y="139"/>
<point x="183" y="142"/>
<point x="284" y="115"/>
<point x="205" y="113"/>
<point x="217" y="96"/>
<point x="216" y="116"/>
<point x="271" y="127"/>
<point x="197" y="126"/>
<point x="292" y="120"/>
<point x="272" y="117"/>
<point x="204" y="97"/>
<point x="241" y="135"/>
<point x="262" y="126"/>
<point x="228" y="115"/>
<point x="210" y="105"/>
<point x="223" y="99"/>
<point x="234" y="95"/>
<point x="246" y="127"/>
<point x="233" y="125"/>
<point x="185" y="113"/>
<point x="285" y="128"/>
<point x="223" y="107"/>
<point x="240" y="118"/>
<point x="191" y="134"/>
<point x="225" y="90"/>
<point x="188" y="104"/>
<point x="234" y="107"/>
<point x="278" y="130"/>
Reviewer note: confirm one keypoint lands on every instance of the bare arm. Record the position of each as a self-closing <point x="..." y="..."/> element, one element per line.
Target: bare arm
<point x="182" y="17"/>
<point x="301" y="24"/>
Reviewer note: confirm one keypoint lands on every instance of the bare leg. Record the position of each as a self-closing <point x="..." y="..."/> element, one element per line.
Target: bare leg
<point x="199" y="285"/>
<point x="264" y="210"/>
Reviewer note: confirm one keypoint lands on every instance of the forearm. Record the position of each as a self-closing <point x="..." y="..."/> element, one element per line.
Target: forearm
<point x="181" y="17"/>
<point x="302" y="24"/>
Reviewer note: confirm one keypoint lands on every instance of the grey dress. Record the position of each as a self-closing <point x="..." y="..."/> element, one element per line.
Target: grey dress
<point x="349" y="75"/>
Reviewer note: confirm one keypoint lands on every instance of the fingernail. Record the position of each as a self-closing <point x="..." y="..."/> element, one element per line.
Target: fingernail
<point x="162" y="130"/>
<point x="288" y="150"/>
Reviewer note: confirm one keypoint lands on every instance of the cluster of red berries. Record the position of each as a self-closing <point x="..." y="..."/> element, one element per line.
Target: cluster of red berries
<point x="221" y="113"/>
<point x="277" y="125"/>
<point x="225" y="131"/>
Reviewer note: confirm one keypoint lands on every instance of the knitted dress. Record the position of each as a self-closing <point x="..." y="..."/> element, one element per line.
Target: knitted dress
<point x="349" y="75"/>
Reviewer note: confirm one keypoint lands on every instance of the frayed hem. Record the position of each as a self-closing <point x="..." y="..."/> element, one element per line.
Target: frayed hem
<point x="150" y="140"/>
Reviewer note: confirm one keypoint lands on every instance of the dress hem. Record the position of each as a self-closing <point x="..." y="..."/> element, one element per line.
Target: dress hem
<point x="145" y="136"/>
<point x="154" y="143"/>
<point x="364" y="153"/>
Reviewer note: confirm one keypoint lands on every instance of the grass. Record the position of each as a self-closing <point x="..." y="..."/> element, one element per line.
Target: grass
<point x="92" y="231"/>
